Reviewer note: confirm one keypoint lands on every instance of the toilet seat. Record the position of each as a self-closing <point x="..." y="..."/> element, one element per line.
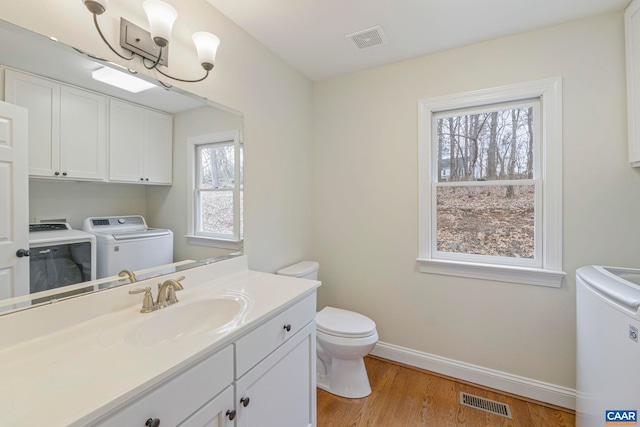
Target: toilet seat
<point x="343" y="323"/>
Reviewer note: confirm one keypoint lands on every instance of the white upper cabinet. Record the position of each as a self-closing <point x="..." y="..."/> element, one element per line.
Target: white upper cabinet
<point x="632" y="41"/>
<point x="140" y="144"/>
<point x="67" y="127"/>
<point x="83" y="134"/>
<point x="42" y="99"/>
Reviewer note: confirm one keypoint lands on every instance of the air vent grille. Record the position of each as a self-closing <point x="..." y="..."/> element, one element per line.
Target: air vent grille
<point x="486" y="405"/>
<point x="368" y="38"/>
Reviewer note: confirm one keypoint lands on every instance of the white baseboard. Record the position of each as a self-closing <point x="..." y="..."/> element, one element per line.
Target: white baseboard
<point x="514" y="384"/>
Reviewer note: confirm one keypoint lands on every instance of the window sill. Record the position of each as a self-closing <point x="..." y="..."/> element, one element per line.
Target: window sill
<point x="500" y="273"/>
<point x="214" y="243"/>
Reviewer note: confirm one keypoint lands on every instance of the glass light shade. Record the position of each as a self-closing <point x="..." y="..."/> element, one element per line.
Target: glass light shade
<point x="161" y="17"/>
<point x="207" y="46"/>
<point x="96" y="6"/>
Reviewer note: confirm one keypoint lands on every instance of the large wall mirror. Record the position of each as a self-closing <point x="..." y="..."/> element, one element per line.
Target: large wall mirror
<point x="165" y="206"/>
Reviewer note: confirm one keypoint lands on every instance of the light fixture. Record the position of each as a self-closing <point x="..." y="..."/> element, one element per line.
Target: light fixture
<point x="121" y="80"/>
<point x="153" y="45"/>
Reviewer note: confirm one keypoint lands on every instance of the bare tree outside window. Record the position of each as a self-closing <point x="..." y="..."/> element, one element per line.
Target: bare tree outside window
<point x="484" y="194"/>
<point x="215" y="188"/>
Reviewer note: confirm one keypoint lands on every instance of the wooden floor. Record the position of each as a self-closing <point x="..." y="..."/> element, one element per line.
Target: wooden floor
<point x="407" y="397"/>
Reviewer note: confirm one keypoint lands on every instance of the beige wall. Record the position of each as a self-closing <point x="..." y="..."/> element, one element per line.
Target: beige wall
<point x="80" y="200"/>
<point x="366" y="194"/>
<point x="275" y="99"/>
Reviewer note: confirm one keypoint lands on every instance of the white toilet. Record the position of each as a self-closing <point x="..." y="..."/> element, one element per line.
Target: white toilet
<point x="343" y="338"/>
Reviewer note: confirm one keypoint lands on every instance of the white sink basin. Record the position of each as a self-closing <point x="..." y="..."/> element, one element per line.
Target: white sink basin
<point x="180" y="321"/>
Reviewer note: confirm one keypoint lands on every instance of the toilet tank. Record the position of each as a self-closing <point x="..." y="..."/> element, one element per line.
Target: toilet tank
<point x="302" y="270"/>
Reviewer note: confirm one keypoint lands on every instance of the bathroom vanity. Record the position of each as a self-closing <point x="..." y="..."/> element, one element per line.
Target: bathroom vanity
<point x="238" y="349"/>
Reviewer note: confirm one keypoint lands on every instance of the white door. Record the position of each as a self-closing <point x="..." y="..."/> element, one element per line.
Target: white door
<point x="14" y="201"/>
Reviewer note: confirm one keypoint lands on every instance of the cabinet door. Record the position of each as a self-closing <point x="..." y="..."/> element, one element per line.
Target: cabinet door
<point x="158" y="147"/>
<point x="632" y="45"/>
<point x="281" y="388"/>
<point x="42" y="99"/>
<point x="181" y="397"/>
<point x="216" y="413"/>
<point x="126" y="139"/>
<point x="83" y="121"/>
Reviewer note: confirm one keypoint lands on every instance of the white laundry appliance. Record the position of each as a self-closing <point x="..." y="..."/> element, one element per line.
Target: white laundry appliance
<point x="59" y="256"/>
<point x="126" y="242"/>
<point x="608" y="351"/>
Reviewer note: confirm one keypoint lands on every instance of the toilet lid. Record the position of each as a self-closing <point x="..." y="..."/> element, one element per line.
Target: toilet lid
<point x="344" y="323"/>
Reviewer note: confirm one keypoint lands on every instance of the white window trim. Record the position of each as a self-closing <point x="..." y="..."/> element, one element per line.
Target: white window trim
<point x="192" y="143"/>
<point x="550" y="274"/>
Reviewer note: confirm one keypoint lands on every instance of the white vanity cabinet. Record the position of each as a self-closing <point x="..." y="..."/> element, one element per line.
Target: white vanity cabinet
<point x="266" y="378"/>
<point x="632" y="46"/>
<point x="275" y="370"/>
<point x="202" y="392"/>
<point x="67" y="127"/>
<point x="140" y="144"/>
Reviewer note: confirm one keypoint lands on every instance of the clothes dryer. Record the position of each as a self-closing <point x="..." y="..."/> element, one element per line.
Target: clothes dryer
<point x="126" y="242"/>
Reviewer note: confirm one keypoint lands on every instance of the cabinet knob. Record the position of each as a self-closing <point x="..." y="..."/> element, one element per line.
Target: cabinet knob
<point x="23" y="252"/>
<point x="56" y="173"/>
<point x="64" y="174"/>
<point x="245" y="401"/>
<point x="287" y="327"/>
<point x="231" y="414"/>
<point x="146" y="179"/>
<point x="141" y="179"/>
<point x="152" y="422"/>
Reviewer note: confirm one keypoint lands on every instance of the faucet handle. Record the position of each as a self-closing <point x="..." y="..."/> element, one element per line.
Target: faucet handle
<point x="171" y="294"/>
<point x="147" y="302"/>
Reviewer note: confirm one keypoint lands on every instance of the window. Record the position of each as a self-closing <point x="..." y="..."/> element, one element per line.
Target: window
<point x="490" y="184"/>
<point x="216" y="186"/>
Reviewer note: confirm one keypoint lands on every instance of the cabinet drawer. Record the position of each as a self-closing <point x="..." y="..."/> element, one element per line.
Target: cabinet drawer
<point x="173" y="401"/>
<point x="260" y="342"/>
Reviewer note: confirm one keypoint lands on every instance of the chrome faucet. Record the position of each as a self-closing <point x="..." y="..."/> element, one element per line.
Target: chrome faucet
<point x="167" y="292"/>
<point x="127" y="274"/>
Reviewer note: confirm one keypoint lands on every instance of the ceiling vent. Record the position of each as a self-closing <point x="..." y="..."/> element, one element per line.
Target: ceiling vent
<point x="366" y="39"/>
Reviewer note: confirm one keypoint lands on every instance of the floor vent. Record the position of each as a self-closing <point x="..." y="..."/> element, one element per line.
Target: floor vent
<point x="486" y="405"/>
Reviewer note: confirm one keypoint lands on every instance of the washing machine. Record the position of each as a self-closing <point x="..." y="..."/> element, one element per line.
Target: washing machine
<point x="126" y="242"/>
<point x="59" y="256"/>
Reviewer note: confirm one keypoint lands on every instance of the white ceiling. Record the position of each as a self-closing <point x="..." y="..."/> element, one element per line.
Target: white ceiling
<point x="310" y="34"/>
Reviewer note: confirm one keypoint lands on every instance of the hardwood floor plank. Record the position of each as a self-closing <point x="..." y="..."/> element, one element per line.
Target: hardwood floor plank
<point x="407" y="397"/>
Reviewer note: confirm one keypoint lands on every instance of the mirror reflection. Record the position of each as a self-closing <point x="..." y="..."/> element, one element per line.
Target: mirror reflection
<point x="118" y="180"/>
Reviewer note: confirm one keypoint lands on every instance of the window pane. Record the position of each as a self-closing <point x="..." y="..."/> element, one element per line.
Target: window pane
<point x="486" y="146"/>
<point x="216" y="212"/>
<point x="216" y="166"/>
<point x="486" y="220"/>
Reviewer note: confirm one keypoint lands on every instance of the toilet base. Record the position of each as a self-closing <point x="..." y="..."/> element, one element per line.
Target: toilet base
<point x="346" y="378"/>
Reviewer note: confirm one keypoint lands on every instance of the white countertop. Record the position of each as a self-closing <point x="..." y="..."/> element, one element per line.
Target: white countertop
<point x="74" y="375"/>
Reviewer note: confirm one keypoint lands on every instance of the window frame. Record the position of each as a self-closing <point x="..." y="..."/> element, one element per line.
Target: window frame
<point x="200" y="238"/>
<point x="548" y="227"/>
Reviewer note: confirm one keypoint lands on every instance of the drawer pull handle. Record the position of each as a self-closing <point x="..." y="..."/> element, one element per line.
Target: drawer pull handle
<point x="287" y="327"/>
<point x="245" y="401"/>
<point x="231" y="414"/>
<point x="152" y="422"/>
